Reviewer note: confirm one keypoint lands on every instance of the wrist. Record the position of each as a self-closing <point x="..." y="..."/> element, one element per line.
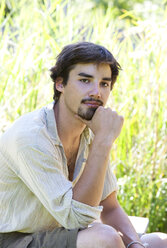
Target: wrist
<point x="103" y="140"/>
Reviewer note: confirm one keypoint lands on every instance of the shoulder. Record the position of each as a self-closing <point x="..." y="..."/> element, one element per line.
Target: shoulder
<point x="30" y="129"/>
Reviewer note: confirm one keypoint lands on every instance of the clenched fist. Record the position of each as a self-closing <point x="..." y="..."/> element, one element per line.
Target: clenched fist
<point x="105" y="123"/>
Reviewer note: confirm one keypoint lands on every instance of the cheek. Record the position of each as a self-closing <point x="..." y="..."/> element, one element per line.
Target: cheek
<point x="105" y="96"/>
<point x="106" y="93"/>
<point x="79" y="91"/>
<point x="72" y="97"/>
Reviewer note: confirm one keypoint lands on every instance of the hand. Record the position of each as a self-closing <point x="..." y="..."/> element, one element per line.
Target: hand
<point x="105" y="123"/>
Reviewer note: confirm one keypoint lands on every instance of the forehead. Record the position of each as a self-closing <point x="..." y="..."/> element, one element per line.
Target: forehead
<point x="101" y="69"/>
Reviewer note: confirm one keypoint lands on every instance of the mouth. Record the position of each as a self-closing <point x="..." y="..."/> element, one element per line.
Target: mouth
<point x="92" y="103"/>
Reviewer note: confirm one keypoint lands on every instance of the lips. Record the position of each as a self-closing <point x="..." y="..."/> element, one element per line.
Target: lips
<point x="94" y="104"/>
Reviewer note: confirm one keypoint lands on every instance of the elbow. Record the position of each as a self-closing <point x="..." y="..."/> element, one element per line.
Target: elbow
<point x="72" y="220"/>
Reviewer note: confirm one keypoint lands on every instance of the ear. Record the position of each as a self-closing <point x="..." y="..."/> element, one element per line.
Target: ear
<point x="59" y="84"/>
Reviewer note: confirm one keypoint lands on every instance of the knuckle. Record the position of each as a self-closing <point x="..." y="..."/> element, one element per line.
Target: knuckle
<point x="121" y="118"/>
<point x="114" y="112"/>
<point x="100" y="108"/>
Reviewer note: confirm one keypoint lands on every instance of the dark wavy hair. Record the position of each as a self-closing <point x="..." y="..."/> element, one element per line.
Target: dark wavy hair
<point x="82" y="52"/>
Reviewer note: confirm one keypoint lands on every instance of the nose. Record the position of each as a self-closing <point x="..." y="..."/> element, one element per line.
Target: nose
<point x="95" y="91"/>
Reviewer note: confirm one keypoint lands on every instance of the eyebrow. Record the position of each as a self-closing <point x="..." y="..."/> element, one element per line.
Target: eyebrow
<point x="90" y="76"/>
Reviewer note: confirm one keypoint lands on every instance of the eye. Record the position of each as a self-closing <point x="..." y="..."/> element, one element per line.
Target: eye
<point x="85" y="80"/>
<point x="105" y="84"/>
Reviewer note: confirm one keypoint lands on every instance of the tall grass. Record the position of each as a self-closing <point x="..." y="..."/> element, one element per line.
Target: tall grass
<point x="32" y="34"/>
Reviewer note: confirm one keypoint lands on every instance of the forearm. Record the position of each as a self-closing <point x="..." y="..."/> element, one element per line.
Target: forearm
<point x="118" y="219"/>
<point x="106" y="126"/>
<point x="89" y="187"/>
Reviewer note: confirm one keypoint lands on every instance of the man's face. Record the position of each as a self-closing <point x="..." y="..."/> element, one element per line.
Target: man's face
<point x="88" y="87"/>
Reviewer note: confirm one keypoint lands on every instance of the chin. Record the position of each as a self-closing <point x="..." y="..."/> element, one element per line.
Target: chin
<point x="86" y="114"/>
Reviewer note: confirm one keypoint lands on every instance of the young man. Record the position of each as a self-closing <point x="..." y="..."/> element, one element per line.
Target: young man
<point x="56" y="178"/>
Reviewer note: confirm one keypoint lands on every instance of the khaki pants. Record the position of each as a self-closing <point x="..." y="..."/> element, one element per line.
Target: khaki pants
<point x="58" y="238"/>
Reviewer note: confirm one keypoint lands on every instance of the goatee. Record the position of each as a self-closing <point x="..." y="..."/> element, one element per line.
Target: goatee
<point x="86" y="115"/>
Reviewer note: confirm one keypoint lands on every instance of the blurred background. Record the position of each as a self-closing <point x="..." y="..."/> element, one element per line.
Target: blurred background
<point x="32" y="33"/>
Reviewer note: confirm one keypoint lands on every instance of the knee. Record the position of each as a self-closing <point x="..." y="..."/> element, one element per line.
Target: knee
<point x="108" y="237"/>
<point x="155" y="240"/>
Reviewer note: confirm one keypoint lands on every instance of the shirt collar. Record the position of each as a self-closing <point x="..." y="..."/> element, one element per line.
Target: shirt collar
<point x="88" y="135"/>
<point x="51" y="124"/>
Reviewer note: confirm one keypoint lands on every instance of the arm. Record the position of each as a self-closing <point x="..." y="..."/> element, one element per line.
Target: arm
<point x="106" y="125"/>
<point x="47" y="190"/>
<point x="115" y="216"/>
<point x="39" y="165"/>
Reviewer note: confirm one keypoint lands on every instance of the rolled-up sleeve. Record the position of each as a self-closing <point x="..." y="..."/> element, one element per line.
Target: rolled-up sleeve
<point x="46" y="177"/>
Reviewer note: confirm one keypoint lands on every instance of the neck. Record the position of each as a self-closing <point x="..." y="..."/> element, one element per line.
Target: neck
<point x="68" y="126"/>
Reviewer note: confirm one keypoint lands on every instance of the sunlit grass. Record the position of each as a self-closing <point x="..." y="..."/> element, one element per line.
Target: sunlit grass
<point x="31" y="37"/>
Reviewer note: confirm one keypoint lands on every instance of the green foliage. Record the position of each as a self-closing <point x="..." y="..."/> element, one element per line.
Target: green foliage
<point x="33" y="33"/>
<point x="158" y="206"/>
<point x="126" y="9"/>
<point x="117" y="5"/>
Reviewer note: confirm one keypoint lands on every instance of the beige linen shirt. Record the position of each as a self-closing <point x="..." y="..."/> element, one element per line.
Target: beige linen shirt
<point x="35" y="192"/>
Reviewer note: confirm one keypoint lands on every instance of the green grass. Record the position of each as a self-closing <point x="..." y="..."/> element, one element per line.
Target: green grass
<point x="31" y="37"/>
